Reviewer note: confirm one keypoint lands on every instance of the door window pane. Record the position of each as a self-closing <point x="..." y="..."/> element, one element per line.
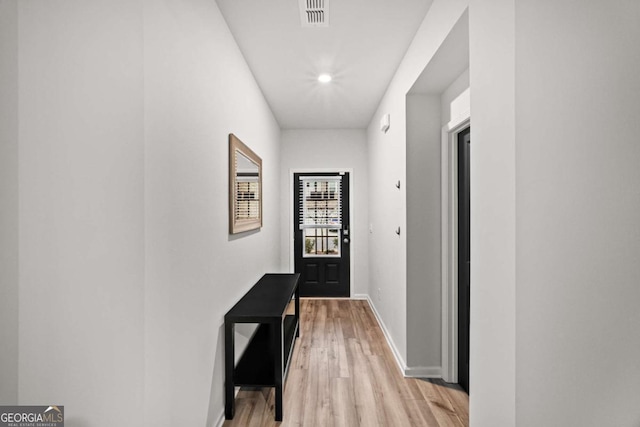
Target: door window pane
<point x="321" y="242"/>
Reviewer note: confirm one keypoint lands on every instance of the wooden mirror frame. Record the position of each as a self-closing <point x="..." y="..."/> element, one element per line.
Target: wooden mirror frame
<point x="239" y="225"/>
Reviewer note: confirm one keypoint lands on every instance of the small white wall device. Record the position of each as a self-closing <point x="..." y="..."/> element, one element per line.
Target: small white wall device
<point x="384" y="123"/>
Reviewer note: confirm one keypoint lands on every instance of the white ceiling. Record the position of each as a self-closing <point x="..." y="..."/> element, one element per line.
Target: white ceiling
<point x="361" y="48"/>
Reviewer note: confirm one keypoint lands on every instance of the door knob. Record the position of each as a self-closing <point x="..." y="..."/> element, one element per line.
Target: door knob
<point x="346" y="240"/>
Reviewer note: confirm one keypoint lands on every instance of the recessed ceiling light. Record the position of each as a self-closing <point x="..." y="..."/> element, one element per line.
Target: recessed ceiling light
<point x="324" y="78"/>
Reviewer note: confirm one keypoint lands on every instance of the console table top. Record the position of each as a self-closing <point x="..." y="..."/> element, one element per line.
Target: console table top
<point x="266" y="301"/>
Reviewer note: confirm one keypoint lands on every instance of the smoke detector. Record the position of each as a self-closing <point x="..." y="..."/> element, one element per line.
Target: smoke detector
<point x="314" y="13"/>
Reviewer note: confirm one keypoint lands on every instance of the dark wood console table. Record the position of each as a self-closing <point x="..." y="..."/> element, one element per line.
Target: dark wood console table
<point x="265" y="361"/>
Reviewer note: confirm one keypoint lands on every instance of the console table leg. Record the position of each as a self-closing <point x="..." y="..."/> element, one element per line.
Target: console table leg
<point x="229" y="385"/>
<point x="277" y="343"/>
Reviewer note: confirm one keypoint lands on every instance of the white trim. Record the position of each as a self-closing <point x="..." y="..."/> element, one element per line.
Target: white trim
<point x="450" y="246"/>
<point x="352" y="209"/>
<point x="396" y="354"/>
<point x="360" y="296"/>
<point x="323" y="178"/>
<point x="423" y="372"/>
<point x="406" y="371"/>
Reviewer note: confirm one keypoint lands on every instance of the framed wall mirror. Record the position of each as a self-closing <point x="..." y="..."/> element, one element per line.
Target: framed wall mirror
<point x="245" y="187"/>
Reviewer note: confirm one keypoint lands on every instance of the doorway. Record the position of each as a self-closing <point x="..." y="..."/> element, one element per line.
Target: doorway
<point x="464" y="255"/>
<point x="322" y="233"/>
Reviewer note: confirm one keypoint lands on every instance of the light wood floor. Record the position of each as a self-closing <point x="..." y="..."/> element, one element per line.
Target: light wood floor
<point x="343" y="373"/>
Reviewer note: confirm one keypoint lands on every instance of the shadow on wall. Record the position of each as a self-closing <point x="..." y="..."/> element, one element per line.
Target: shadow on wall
<point x="216" y="403"/>
<point x="233" y="237"/>
<point x="243" y="332"/>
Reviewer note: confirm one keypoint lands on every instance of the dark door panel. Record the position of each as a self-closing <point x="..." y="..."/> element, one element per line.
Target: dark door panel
<point x="322" y="243"/>
<point x="332" y="273"/>
<point x="464" y="255"/>
<point x="311" y="273"/>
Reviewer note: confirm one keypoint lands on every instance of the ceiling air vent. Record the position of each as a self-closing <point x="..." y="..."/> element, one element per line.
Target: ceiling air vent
<point x="314" y="13"/>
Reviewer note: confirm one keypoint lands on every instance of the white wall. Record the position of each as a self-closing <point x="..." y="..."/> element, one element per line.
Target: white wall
<point x="423" y="235"/>
<point x="81" y="207"/>
<point x="126" y="265"/>
<point x="555" y="206"/>
<point x="426" y="114"/>
<point x="578" y="205"/>
<point x="339" y="149"/>
<point x="198" y="89"/>
<point x="492" y="331"/>
<point x="387" y="158"/>
<point x="9" y="201"/>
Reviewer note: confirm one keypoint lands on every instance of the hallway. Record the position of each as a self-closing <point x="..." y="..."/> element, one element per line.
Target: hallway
<point x="344" y="374"/>
<point x="116" y="262"/>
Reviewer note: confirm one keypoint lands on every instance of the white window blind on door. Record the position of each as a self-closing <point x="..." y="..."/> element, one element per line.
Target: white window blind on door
<point x="320" y="202"/>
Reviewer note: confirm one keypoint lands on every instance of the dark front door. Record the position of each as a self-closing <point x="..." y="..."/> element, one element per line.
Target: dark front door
<point x="322" y="234"/>
<point x="464" y="255"/>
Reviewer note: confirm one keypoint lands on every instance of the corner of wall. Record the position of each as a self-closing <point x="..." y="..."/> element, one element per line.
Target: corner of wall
<point x="423" y="164"/>
<point x="493" y="207"/>
<point x="387" y="156"/>
<point x="397" y="355"/>
<point x="9" y="222"/>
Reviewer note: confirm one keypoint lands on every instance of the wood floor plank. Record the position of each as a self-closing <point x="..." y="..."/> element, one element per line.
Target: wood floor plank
<point x="420" y="413"/>
<point x="343" y="373"/>
<point x="294" y="397"/>
<point x="344" y="406"/>
<point x="457" y="396"/>
<point x="365" y="401"/>
<point x="317" y="402"/>
<point x="387" y="394"/>
<point x="441" y="406"/>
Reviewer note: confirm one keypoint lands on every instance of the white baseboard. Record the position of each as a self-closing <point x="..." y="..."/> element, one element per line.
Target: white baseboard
<point x="407" y="371"/>
<point x="396" y="354"/>
<point x="423" y="372"/>
<point x="360" y="296"/>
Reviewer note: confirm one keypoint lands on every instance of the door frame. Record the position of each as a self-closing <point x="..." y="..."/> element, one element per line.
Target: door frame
<point x="292" y="262"/>
<point x="449" y="238"/>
